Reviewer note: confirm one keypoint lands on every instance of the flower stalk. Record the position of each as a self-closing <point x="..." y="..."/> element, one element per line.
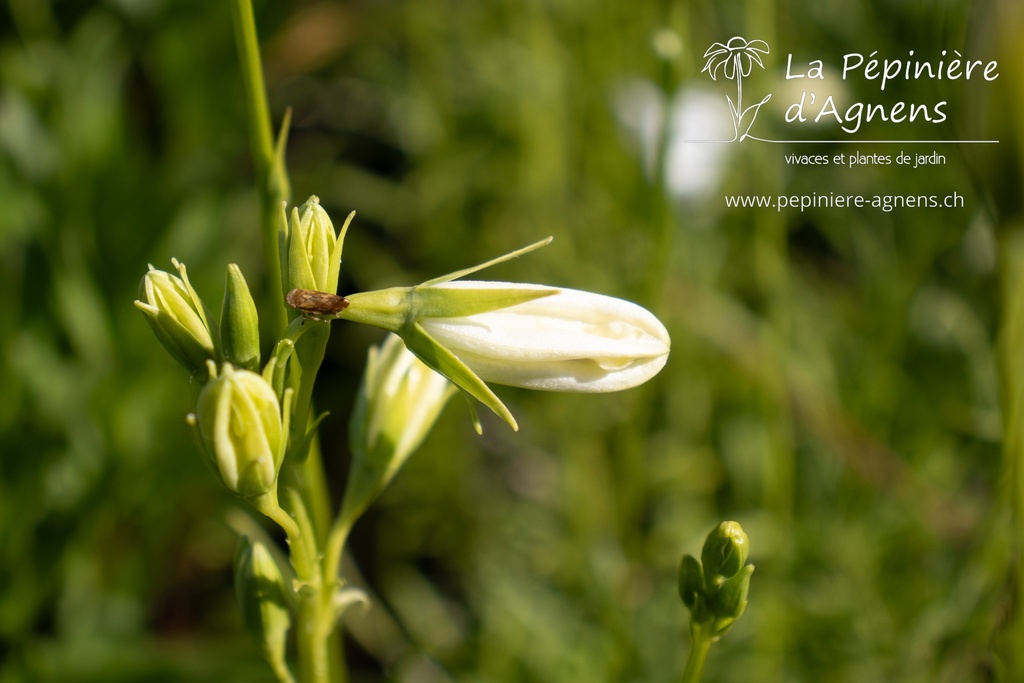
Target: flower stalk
<point x="714" y="589"/>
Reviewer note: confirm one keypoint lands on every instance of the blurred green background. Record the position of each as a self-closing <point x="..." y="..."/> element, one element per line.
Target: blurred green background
<point x="835" y="383"/>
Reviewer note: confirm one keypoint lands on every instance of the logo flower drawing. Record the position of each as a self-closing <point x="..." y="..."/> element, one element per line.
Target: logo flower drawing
<point x="735" y="60"/>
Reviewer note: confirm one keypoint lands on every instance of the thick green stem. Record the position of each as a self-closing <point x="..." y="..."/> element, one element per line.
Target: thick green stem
<point x="698" y="655"/>
<point x="314" y="661"/>
<point x="282" y="673"/>
<point x="271" y="178"/>
<point x="315" y="664"/>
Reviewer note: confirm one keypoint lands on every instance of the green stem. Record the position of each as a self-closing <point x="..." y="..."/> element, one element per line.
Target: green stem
<point x="311" y="505"/>
<point x="283" y="674"/>
<point x="314" y="662"/>
<point x="698" y="655"/>
<point x="335" y="547"/>
<point x="317" y="499"/>
<point x="271" y="178"/>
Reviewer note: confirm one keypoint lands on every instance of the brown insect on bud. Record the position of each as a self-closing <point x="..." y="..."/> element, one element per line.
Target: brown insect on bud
<point x="314" y="304"/>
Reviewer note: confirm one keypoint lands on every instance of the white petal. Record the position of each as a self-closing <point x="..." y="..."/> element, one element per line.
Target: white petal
<point x="569" y="341"/>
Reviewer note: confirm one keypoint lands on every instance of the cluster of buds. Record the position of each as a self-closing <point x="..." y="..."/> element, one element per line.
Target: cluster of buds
<point x="715" y="588"/>
<point x="446" y="335"/>
<point x="240" y="419"/>
<point x="468" y="332"/>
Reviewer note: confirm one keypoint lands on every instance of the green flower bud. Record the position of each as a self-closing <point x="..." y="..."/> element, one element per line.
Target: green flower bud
<point x="261" y="593"/>
<point x="178" y="317"/>
<point x="243" y="430"/>
<point x="239" y="324"/>
<point x="398" y="403"/>
<point x="725" y="552"/>
<point x="310" y="250"/>
<point x="716" y="593"/>
<point x="730" y="600"/>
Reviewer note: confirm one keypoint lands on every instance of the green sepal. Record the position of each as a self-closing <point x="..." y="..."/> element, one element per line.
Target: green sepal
<point x="691" y="581"/>
<point x="287" y="406"/>
<point x="388" y="309"/>
<point x="433" y="302"/>
<point x="280" y="186"/>
<point x="334" y="269"/>
<point x="443" y="361"/>
<point x="295" y="505"/>
<point x="393" y="309"/>
<point x="201" y="309"/>
<point x="311" y="432"/>
<point x="345" y="597"/>
<point x="283" y="234"/>
<point x="474" y="416"/>
<point x="730" y="600"/>
<point x="487" y="264"/>
<point x="276" y="368"/>
<point x="300" y="271"/>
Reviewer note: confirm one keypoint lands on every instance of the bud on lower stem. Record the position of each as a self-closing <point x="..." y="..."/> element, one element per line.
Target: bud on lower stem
<point x="715" y="591"/>
<point x="261" y="593"/>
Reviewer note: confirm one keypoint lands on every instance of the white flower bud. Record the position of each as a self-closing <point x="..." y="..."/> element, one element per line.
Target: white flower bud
<point x="568" y="341"/>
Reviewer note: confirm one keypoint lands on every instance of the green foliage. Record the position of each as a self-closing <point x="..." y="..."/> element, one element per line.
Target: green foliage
<point x="834" y="382"/>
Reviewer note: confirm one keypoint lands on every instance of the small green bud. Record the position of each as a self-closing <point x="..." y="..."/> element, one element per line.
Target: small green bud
<point x="243" y="429"/>
<point x="725" y="552"/>
<point x="731" y="599"/>
<point x="691" y="581"/>
<point x="239" y="324"/>
<point x="261" y="593"/>
<point x="310" y="250"/>
<point x="716" y="593"/>
<point x="179" y="318"/>
<point x="398" y="403"/>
